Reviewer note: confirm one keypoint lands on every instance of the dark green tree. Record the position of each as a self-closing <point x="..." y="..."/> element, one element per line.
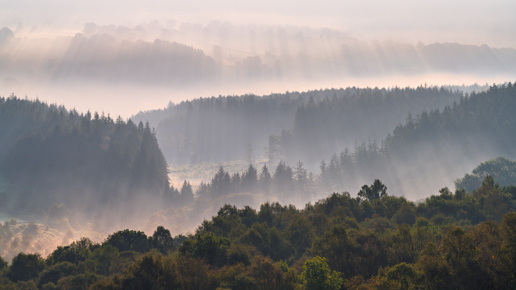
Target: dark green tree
<point x="129" y="240"/>
<point x="162" y="240"/>
<point x="25" y="267"/>
<point x="376" y="191"/>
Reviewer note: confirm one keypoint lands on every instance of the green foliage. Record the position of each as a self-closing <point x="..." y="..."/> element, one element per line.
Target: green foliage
<point x="317" y="275"/>
<point x="80" y="281"/>
<point x="337" y="249"/>
<point x="162" y="240"/>
<point x="451" y="241"/>
<point x="3" y="264"/>
<point x="56" y="272"/>
<point x="404" y="274"/>
<point x="128" y="240"/>
<point x="376" y="191"/>
<point x="300" y="234"/>
<point x="493" y="201"/>
<point x="145" y="274"/>
<point x="269" y="275"/>
<point x="209" y="247"/>
<point x="74" y="253"/>
<point x="406" y="214"/>
<point x="104" y="257"/>
<point x="500" y="168"/>
<point x="25" y="267"/>
<point x="509" y="234"/>
<point x="239" y="254"/>
<point x="403" y="244"/>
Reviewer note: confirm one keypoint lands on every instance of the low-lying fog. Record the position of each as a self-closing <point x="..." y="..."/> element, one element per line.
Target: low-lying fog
<point x="123" y="57"/>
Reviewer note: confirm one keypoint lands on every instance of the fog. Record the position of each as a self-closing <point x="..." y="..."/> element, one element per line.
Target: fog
<point x="469" y="22"/>
<point x="119" y="58"/>
<point x="124" y="57"/>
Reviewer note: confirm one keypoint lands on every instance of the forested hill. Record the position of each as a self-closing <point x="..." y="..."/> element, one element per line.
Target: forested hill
<point x="480" y="121"/>
<point x="433" y="146"/>
<point x="91" y="163"/>
<point x="221" y="128"/>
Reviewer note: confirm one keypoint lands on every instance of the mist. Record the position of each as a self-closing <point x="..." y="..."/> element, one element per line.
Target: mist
<point x="227" y="85"/>
<point x="144" y="65"/>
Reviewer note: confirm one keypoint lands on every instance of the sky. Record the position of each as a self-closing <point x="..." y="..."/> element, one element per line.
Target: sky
<point x="470" y="22"/>
<point x="44" y="30"/>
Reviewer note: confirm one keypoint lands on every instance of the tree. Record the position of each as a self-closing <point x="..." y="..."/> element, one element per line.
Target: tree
<point x="56" y="272"/>
<point x="317" y="275"/>
<point x="501" y="169"/>
<point x="266" y="274"/>
<point x="187" y="196"/>
<point x="104" y="257"/>
<point x="300" y="233"/>
<point x="377" y="190"/>
<point x="250" y="179"/>
<point x="462" y="257"/>
<point x="283" y="178"/>
<point x="207" y="246"/>
<point x="129" y="240"/>
<point x="25" y="267"/>
<point x="162" y="240"/>
<point x="3" y="263"/>
<point x="402" y="273"/>
<point x="302" y="182"/>
<point x="74" y="253"/>
<point x="146" y="274"/>
<point x="336" y="247"/>
<point x="493" y="201"/>
<point x="509" y="234"/>
<point x="265" y="179"/>
<point x="220" y="183"/>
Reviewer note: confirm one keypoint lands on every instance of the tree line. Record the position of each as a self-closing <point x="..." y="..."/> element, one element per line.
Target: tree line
<point x="375" y="240"/>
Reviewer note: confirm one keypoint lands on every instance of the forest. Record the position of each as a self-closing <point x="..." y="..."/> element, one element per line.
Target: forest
<point x="454" y="240"/>
<point x="257" y="144"/>
<point x="271" y="226"/>
<point x="89" y="162"/>
<point x="332" y="118"/>
<point x="350" y="138"/>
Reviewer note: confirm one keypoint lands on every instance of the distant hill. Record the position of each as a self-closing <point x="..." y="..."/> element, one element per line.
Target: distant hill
<point x="310" y="125"/>
<point x="433" y="147"/>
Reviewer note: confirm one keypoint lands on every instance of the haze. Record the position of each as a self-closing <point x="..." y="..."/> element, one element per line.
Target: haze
<point x="103" y="56"/>
<point x="274" y="130"/>
<point x="469" y="22"/>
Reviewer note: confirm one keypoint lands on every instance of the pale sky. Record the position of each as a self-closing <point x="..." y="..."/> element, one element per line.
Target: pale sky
<point x="468" y="22"/>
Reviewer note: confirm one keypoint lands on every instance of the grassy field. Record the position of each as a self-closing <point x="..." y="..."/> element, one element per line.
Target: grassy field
<point x="205" y="171"/>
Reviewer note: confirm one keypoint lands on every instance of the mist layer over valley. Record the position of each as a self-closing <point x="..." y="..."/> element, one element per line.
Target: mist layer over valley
<point x="419" y="139"/>
<point x="147" y="65"/>
<point x="84" y="174"/>
<point x="256" y="129"/>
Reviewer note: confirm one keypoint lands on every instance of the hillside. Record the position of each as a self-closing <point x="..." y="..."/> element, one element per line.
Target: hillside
<point x="225" y="128"/>
<point x="90" y="163"/>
